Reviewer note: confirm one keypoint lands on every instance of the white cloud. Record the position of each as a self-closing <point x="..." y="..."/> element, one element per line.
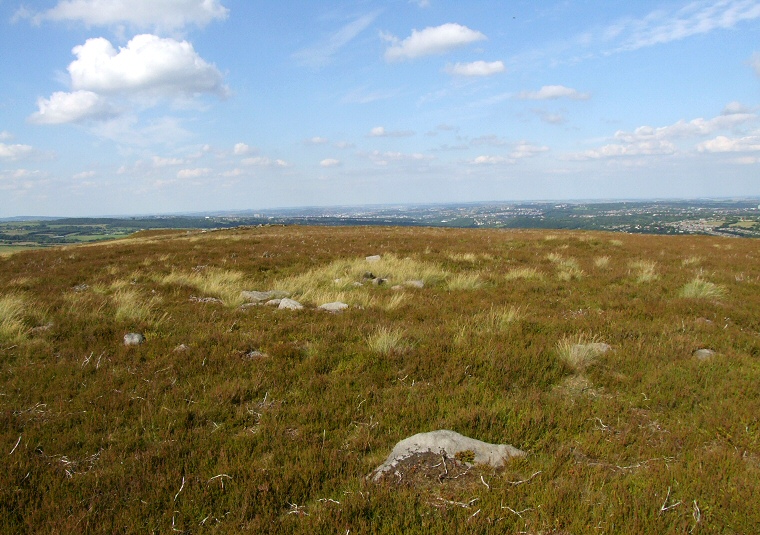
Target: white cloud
<point x="163" y="14"/>
<point x="639" y="148"/>
<point x="84" y="175"/>
<point x="421" y="3"/>
<point x="263" y="161"/>
<point x="551" y="92"/>
<point x="431" y="40"/>
<point x="380" y="131"/>
<point x="476" y="68"/>
<point x="726" y="144"/>
<point x="329" y="162"/>
<point x="695" y="18"/>
<point x="63" y="107"/>
<point x="523" y="149"/>
<point x="755" y="62"/>
<point x="5" y="135"/>
<point x="148" y="64"/>
<point x="316" y="140"/>
<point x="12" y="153"/>
<point x="193" y="173"/>
<point x="383" y="158"/>
<point x="241" y="149"/>
<point x="322" y="53"/>
<point x="491" y="160"/>
<point x="489" y="139"/>
<point x="686" y="129"/>
<point x="550" y="118"/>
<point x="166" y="162"/>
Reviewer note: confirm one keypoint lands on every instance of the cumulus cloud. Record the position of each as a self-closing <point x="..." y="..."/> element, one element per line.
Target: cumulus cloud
<point x="380" y="131"/>
<point x="329" y="162"/>
<point x="491" y="160"/>
<point x="5" y="135"/>
<point x="241" y="149"/>
<point x="263" y="161"/>
<point x="148" y="64"/>
<point x="12" y="153"/>
<point x="193" y="173"/>
<point x="552" y="92"/>
<point x="755" y="62"/>
<point x="430" y="41"/>
<point x="316" y="140"/>
<point x="158" y="161"/>
<point x="476" y="68"/>
<point x="74" y="107"/>
<point x="523" y="149"/>
<point x="639" y="148"/>
<point x="162" y="14"/>
<point x="726" y="144"/>
<point x="84" y="175"/>
<point x="686" y="129"/>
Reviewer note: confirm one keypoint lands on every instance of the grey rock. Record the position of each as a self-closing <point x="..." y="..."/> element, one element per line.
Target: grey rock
<point x="449" y="443"/>
<point x="373" y="258"/>
<point x="335" y="306"/>
<point x="289" y="304"/>
<point x="180" y="348"/>
<point x="379" y="281"/>
<point x="415" y="284"/>
<point x="133" y="339"/>
<point x="704" y="354"/>
<point x="255" y="296"/>
<point x="206" y="300"/>
<point x="368" y="275"/>
<point x="273" y="302"/>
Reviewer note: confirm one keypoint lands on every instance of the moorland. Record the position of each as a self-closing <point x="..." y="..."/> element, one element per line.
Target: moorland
<point x="241" y="418"/>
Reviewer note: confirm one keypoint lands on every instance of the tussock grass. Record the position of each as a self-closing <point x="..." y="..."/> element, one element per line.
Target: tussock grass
<point x="464" y="282"/>
<point x="579" y="352"/>
<point x="527" y="273"/>
<point x="12" y="327"/>
<point x="130" y="305"/>
<point x="602" y="262"/>
<point x="211" y="282"/>
<point x="387" y="341"/>
<point x="567" y="268"/>
<point x="691" y="261"/>
<point x="345" y="280"/>
<point x="644" y="270"/>
<point x="495" y="321"/>
<point x="699" y="288"/>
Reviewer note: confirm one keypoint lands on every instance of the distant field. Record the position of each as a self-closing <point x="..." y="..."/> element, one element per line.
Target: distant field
<point x="626" y="367"/>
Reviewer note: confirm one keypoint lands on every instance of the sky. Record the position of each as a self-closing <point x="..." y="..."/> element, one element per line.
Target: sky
<point x="128" y="107"/>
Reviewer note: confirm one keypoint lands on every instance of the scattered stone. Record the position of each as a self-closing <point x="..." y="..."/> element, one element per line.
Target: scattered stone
<point x="259" y="297"/>
<point x="373" y="258"/>
<point x="415" y="284"/>
<point x="273" y="302"/>
<point x="133" y="339"/>
<point x="255" y="355"/>
<point x="206" y="300"/>
<point x="397" y="287"/>
<point x="336" y="306"/>
<point x="357" y="284"/>
<point x="289" y="304"/>
<point x="379" y="281"/>
<point x="449" y="443"/>
<point x="704" y="354"/>
<point x="368" y="275"/>
<point x="42" y="328"/>
<point x="249" y="305"/>
<point x="80" y="287"/>
<point x="180" y="348"/>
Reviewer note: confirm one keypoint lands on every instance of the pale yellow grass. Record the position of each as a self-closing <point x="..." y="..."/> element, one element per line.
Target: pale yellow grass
<point x="528" y="273"/>
<point x="691" y="261"/>
<point x="602" y="262"/>
<point x="494" y="321"/>
<point x="131" y="305"/>
<point x="567" y="268"/>
<point x="386" y="341"/>
<point x="12" y="327"/>
<point x="699" y="288"/>
<point x="644" y="270"/>
<point x="223" y="284"/>
<point x="464" y="281"/>
<point x="579" y="352"/>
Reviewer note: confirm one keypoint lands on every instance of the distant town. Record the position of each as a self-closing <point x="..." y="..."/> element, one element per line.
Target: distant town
<point x="734" y="218"/>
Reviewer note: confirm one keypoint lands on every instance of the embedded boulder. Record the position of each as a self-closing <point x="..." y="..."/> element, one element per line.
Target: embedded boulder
<point x="289" y="304"/>
<point x="449" y="444"/>
<point x="254" y="296"/>
<point x="336" y="306"/>
<point x="133" y="339"/>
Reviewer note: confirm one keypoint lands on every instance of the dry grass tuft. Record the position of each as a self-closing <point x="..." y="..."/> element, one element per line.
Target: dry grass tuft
<point x="387" y="341"/>
<point x="527" y="273"/>
<point x="580" y="352"/>
<point x="464" y="281"/>
<point x="495" y="321"/>
<point x="702" y="289"/>
<point x="12" y="327"/>
<point x="130" y="305"/>
<point x="215" y="282"/>
<point x="691" y="261"/>
<point x="602" y="262"/>
<point x="567" y="268"/>
<point x="644" y="270"/>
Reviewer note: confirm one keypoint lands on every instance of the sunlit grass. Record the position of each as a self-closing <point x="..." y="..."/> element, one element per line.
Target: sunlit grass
<point x="464" y="281"/>
<point x="567" y="268"/>
<point x="11" y="318"/>
<point x="602" y="262"/>
<point x="579" y="352"/>
<point x="211" y="282"/>
<point x="699" y="288"/>
<point x="644" y="270"/>
<point x="527" y="273"/>
<point x="386" y="341"/>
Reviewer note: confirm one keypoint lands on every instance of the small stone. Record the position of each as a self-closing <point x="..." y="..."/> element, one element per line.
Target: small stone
<point x="254" y="355"/>
<point x="704" y="354"/>
<point x="336" y="306"/>
<point x="133" y="339"/>
<point x="415" y="284"/>
<point x="289" y="304"/>
<point x="373" y="258"/>
<point x="379" y="281"/>
<point x="368" y="275"/>
<point x="273" y="302"/>
<point x="180" y="348"/>
<point x="397" y="287"/>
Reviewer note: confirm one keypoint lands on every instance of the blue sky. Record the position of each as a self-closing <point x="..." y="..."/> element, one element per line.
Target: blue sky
<point x="163" y="106"/>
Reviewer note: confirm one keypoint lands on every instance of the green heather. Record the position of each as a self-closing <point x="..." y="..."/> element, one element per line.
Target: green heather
<point x="249" y="419"/>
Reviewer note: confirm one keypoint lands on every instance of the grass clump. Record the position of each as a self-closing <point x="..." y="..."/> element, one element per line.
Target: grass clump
<point x="602" y="262"/>
<point x="567" y="268"/>
<point x="527" y="273"/>
<point x="211" y="281"/>
<point x="699" y="288"/>
<point x="464" y="281"/>
<point x="644" y="270"/>
<point x="11" y="318"/>
<point x="579" y="352"/>
<point x="130" y="305"/>
<point x="386" y="341"/>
